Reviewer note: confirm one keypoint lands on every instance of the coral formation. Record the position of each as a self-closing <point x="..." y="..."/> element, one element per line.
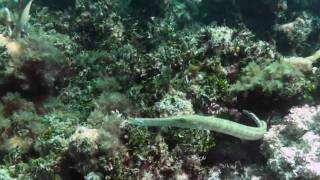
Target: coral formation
<point x="292" y="147"/>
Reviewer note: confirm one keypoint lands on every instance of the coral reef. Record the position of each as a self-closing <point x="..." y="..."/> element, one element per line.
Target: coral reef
<point x="74" y="74"/>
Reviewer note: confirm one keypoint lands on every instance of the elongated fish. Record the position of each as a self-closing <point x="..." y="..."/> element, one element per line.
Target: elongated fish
<point x="220" y="125"/>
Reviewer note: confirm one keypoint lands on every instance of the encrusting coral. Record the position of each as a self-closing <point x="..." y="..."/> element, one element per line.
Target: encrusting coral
<point x="292" y="147"/>
<point x="303" y="64"/>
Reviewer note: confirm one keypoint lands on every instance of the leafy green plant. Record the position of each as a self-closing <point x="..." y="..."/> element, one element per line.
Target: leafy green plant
<point x="21" y="21"/>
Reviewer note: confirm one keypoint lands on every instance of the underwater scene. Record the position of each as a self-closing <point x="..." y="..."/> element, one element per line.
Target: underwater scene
<point x="159" y="89"/>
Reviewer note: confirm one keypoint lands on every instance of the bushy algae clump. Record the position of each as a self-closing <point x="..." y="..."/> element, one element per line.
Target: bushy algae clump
<point x="210" y="123"/>
<point x="286" y="77"/>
